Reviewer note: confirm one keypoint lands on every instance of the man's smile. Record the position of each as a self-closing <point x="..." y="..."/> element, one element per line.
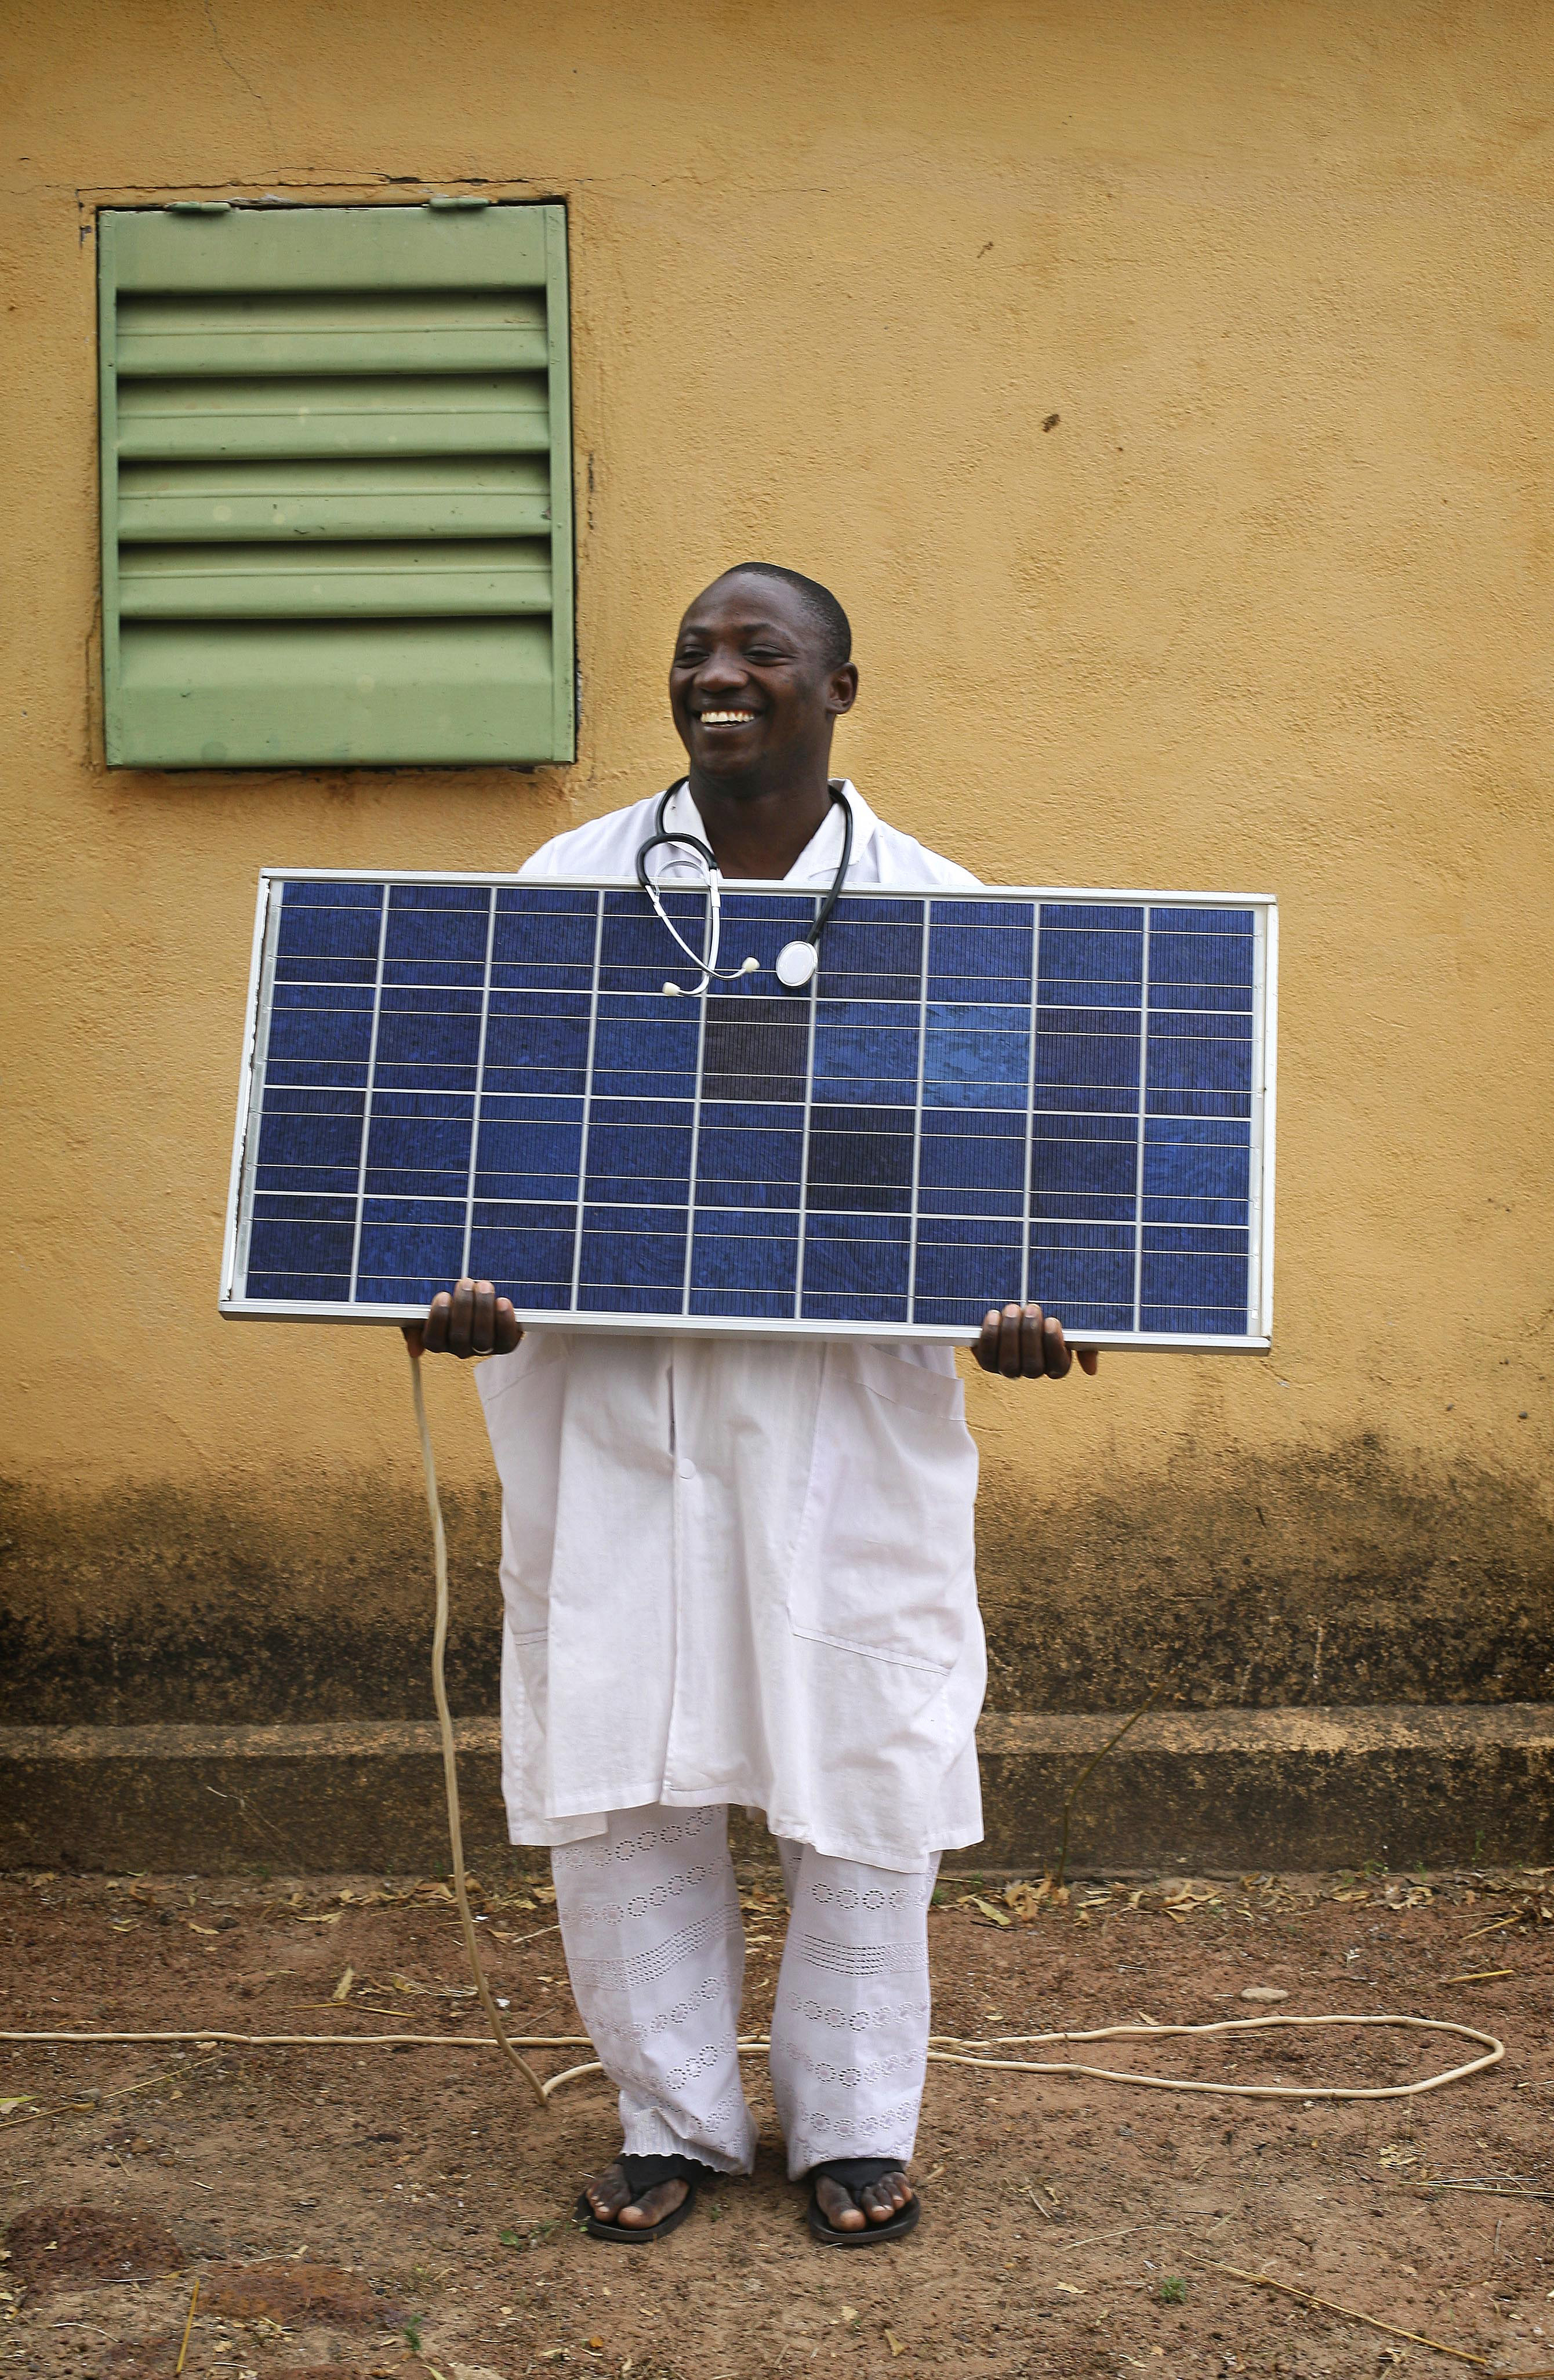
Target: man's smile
<point x="725" y="718"/>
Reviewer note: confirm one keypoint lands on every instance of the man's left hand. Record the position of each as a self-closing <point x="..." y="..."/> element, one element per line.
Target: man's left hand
<point x="1024" y="1345"/>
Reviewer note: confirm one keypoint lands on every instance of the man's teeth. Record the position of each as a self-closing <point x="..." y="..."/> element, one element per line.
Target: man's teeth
<point x="726" y="718"/>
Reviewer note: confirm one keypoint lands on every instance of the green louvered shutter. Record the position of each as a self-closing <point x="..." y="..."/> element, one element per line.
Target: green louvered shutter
<point x="336" y="485"/>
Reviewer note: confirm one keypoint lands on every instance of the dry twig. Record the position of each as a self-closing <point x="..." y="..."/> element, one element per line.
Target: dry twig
<point x="1349" y="2313"/>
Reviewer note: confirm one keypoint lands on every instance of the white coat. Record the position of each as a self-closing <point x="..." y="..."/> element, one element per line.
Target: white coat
<point x="740" y="1570"/>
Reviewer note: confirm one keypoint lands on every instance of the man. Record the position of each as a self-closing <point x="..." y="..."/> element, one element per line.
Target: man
<point x="740" y="1571"/>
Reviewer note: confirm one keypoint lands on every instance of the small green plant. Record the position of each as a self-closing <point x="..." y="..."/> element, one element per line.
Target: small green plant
<point x="1173" y="2291"/>
<point x="532" y="2237"/>
<point x="413" y="2333"/>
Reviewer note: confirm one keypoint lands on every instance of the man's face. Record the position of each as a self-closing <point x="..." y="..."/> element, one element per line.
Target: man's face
<point x="752" y="698"/>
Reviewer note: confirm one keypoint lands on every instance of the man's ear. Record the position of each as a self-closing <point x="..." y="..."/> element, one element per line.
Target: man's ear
<point x="842" y="691"/>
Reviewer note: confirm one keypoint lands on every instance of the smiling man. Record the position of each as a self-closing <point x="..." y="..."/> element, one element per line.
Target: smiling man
<point x="741" y="1571"/>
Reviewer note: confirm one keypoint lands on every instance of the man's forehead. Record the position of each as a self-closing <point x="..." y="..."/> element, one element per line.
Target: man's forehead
<point x="748" y="604"/>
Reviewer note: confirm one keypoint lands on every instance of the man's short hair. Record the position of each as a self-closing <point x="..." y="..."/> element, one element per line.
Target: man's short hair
<point x="836" y="630"/>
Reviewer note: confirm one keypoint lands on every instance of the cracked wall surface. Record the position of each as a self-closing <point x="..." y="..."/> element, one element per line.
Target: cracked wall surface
<point x="1266" y="607"/>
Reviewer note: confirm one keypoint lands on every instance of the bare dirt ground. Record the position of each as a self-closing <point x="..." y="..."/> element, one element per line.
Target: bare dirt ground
<point x="408" y="2212"/>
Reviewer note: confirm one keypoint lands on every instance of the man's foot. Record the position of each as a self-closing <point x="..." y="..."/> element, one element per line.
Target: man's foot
<point x="613" y="2200"/>
<point x="855" y="2201"/>
<point x="849" y="2210"/>
<point x="641" y="2197"/>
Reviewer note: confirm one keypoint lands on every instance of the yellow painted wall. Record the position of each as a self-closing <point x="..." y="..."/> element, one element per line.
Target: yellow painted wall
<point x="1267" y="607"/>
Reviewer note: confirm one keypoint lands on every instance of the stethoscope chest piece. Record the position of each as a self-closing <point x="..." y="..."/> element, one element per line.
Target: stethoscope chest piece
<point x="795" y="965"/>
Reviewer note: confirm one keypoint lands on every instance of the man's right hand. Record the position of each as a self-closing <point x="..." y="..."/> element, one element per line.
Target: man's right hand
<point x="468" y="1319"/>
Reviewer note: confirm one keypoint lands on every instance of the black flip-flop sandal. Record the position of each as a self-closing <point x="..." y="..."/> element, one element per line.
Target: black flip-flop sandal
<point x="642" y="2174"/>
<point x="855" y="2174"/>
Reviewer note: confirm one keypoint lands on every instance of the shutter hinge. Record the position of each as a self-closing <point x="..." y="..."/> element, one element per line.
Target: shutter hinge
<point x="448" y="205"/>
<point x="198" y="207"/>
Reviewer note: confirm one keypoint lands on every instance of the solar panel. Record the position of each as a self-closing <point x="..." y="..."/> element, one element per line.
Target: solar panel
<point x="1065" y="1096"/>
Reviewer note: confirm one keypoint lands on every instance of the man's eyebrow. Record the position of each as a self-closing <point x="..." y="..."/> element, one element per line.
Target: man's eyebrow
<point x="745" y="628"/>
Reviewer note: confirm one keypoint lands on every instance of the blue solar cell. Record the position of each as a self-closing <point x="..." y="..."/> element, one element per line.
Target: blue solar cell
<point x="1174" y="1170"/>
<point x="422" y="1043"/>
<point x="948" y="1162"/>
<point x="437" y="934"/>
<point x="1089" y="1274"/>
<point x="309" y="1140"/>
<point x="435" y="1251"/>
<point x="1223" y="1104"/>
<point x="305" y="892"/>
<point x="851" y="1306"/>
<point x="1113" y="960"/>
<point x="437" y="1142"/>
<point x="1220" y="1212"/>
<point x="1199" y="1064"/>
<point x="644" y="1258"/>
<point x="304" y="1207"/>
<point x="1197" y="1238"/>
<point x="1200" y="959"/>
<point x="981" y="952"/>
<point x="1178" y="1280"/>
<point x="310" y="966"/>
<point x="1049" y="1234"/>
<point x="524" y="1259"/>
<point x="1203" y="921"/>
<point x="1215" y="1320"/>
<point x="550" y="1214"/>
<point x="732" y="1157"/>
<point x="302" y="1246"/>
<point x="880" y="1112"/>
<point x="743" y="1305"/>
<point x="1087" y="1060"/>
<point x="1187" y="1000"/>
<point x="1082" y="1206"/>
<point x="317" y="1035"/>
<point x="405" y="1207"/>
<point x="753" y="1260"/>
<point x="447" y="975"/>
<point x="398" y="1289"/>
<point x="1078" y="1314"/>
<point x="984" y="1276"/>
<point x="1090" y="916"/>
<point x="1074" y="1166"/>
<point x="949" y="1313"/>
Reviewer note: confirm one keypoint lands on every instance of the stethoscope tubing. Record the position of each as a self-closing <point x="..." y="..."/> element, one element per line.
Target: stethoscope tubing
<point x="710" y="969"/>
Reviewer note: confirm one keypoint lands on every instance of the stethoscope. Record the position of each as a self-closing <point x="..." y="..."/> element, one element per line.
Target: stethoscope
<point x="796" y="962"/>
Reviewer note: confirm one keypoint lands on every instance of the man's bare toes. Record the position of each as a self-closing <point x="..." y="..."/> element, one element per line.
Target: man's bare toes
<point x="838" y="2205"/>
<point x="645" y="2212"/>
<point x="607" y="2193"/>
<point x="883" y="2199"/>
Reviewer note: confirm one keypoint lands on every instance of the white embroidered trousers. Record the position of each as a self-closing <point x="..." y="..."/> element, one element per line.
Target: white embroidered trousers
<point x="649" y="1917"/>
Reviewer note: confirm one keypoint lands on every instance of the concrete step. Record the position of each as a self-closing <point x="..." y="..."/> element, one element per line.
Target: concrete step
<point x="1407" y="1784"/>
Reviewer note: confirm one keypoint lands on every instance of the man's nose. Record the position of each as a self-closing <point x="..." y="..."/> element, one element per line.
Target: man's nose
<point x="719" y="673"/>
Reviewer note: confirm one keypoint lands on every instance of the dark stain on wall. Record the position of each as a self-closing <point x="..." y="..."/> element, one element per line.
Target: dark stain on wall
<point x="1348" y="1576"/>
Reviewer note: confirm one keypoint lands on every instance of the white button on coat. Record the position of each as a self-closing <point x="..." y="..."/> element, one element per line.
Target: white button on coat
<point x="740" y="1570"/>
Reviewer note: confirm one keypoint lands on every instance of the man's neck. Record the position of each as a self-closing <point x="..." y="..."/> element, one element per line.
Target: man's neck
<point x="760" y="834"/>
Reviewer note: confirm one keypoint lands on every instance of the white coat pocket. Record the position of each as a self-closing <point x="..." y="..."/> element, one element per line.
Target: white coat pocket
<point x="884" y="1560"/>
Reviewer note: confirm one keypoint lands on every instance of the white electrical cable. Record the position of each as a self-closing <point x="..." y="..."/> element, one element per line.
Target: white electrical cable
<point x="950" y="2049"/>
<point x="445" y="1725"/>
<point x="958" y="2052"/>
